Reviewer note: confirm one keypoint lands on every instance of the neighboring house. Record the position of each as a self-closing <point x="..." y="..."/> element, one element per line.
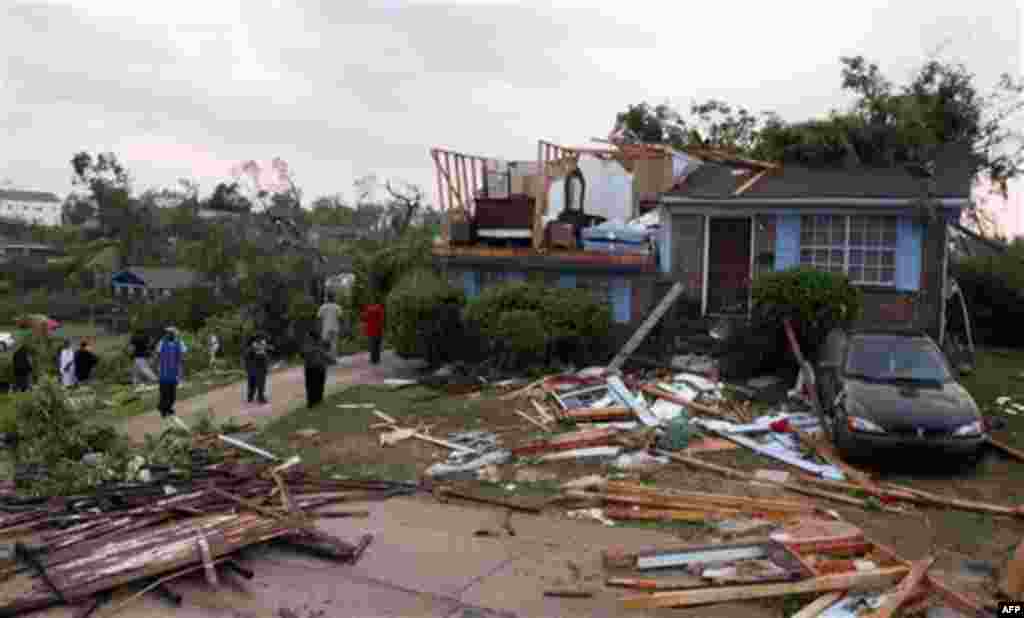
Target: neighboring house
<point x="15" y="250"/>
<point x="867" y="223"/>
<point x="39" y="207"/>
<point x="149" y="283"/>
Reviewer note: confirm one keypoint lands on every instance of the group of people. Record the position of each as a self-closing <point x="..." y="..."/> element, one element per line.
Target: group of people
<point x="74" y="367"/>
<point x="319" y="351"/>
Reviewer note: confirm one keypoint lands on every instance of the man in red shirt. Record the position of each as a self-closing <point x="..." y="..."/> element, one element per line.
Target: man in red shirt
<point x="373" y="322"/>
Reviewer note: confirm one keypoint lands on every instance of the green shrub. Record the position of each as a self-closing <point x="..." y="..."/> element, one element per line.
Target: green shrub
<point x="521" y="338"/>
<point x="815" y="301"/>
<point x="378" y="271"/>
<point x="423" y="317"/>
<point x="575" y="325"/>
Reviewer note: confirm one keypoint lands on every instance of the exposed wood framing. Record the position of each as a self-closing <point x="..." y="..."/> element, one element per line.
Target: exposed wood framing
<point x="750" y="183"/>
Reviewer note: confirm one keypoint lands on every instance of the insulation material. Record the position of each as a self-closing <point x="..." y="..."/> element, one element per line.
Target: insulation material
<point x="609" y="191"/>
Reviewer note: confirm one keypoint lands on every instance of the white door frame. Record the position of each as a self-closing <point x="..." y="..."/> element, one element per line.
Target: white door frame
<point x="707" y="253"/>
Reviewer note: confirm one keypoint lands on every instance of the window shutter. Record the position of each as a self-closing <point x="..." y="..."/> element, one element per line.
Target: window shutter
<point x="787" y="241"/>
<point x="908" y="254"/>
<point x="471" y="283"/>
<point x="665" y="242"/>
<point x="620" y="293"/>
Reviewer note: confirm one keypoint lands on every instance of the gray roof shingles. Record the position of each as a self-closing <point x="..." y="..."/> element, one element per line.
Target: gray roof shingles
<point x="953" y="176"/>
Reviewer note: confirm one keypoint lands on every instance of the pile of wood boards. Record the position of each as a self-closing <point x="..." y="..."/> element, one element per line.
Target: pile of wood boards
<point x="71" y="549"/>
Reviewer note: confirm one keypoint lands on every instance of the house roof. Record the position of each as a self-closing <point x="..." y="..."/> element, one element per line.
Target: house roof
<point x="952" y="177"/>
<point x="162" y="277"/>
<point x="28" y="196"/>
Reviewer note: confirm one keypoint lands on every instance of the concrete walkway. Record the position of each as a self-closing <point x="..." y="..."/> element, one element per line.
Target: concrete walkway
<point x="425" y="562"/>
<point x="286" y="390"/>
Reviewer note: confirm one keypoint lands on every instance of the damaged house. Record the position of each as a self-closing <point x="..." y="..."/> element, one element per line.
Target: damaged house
<point x="628" y="221"/>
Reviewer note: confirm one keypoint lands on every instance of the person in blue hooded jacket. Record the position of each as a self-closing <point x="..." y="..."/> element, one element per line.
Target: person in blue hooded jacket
<point x="171" y="355"/>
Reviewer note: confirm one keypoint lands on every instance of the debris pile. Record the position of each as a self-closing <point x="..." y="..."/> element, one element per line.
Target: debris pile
<point x="74" y="549"/>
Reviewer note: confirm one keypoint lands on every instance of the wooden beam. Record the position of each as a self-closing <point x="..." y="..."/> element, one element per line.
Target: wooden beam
<point x="696" y="407"/>
<point x="830" y="583"/>
<point x="908" y="587"/>
<point x="473" y="188"/>
<point x="750" y="183"/>
<point x="1007" y="449"/>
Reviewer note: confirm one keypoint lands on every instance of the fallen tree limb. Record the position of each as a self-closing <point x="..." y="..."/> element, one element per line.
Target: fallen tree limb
<point x="1006" y="449"/>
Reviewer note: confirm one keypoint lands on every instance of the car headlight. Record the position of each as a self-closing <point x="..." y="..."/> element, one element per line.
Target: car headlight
<point x="863" y="425"/>
<point x="972" y="429"/>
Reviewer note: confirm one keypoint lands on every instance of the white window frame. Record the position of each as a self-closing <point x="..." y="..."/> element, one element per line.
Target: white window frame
<point x="847" y="248"/>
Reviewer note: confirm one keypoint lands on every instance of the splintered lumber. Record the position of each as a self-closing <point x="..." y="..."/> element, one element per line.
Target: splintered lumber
<point x="879" y="578"/>
<point x="817" y="606"/>
<point x="146" y="553"/>
<point x="626" y="513"/>
<point x="566" y="442"/>
<point x="829" y="454"/>
<point x="660" y="583"/>
<point x="908" y="587"/>
<point x="795" y="487"/>
<point x="618" y="487"/>
<point x="533" y="421"/>
<point x="465" y="494"/>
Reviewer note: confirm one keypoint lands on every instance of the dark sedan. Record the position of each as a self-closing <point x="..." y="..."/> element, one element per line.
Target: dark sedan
<point x="882" y="391"/>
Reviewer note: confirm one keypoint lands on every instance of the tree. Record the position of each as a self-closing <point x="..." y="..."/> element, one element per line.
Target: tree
<point x="332" y="210"/>
<point x="78" y="209"/>
<point x="228" y="197"/>
<point x="406" y="202"/>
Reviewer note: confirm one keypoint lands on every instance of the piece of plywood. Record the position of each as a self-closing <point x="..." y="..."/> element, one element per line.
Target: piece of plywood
<point x="878" y="578"/>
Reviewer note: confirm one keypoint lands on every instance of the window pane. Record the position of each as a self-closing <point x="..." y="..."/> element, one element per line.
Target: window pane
<point x="890" y="235"/>
<point x="857" y="257"/>
<point x="871" y="275"/>
<point x="837" y="268"/>
<point x="820" y="256"/>
<point x="837" y="256"/>
<point x="856" y="273"/>
<point x="888" y="275"/>
<point x="872" y="258"/>
<point x="821" y="237"/>
<point x="888" y="258"/>
<point x="821" y="220"/>
<point x="806" y="235"/>
<point x="806" y="256"/>
<point x="838" y="231"/>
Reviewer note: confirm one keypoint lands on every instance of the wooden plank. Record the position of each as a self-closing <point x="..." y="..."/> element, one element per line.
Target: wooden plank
<point x="533" y="420"/>
<point x="750" y="183"/>
<point x="1007" y="449"/>
<point x="628" y="513"/>
<point x="620" y="487"/>
<point x="648" y="325"/>
<point x="650" y="389"/>
<point x="909" y="586"/>
<point x="830" y="583"/>
<point x="618" y="413"/>
<point x="829" y="454"/>
<point x="472" y="497"/>
<point x="437" y="173"/>
<point x="817" y="606"/>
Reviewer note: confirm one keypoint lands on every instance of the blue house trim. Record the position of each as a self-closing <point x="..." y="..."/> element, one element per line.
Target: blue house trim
<point x="566" y="280"/>
<point x="908" y="254"/>
<point x="621" y="295"/>
<point x="787" y="241"/>
<point x="471" y="283"/>
<point x="665" y="243"/>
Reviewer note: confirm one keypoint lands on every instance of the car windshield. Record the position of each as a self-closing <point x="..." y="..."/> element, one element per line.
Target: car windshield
<point x="895" y="359"/>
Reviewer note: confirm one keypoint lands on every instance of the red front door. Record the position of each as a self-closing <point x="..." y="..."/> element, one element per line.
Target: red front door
<point x="729" y="265"/>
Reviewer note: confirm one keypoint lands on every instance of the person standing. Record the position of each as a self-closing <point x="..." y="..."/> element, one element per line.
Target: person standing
<point x="257" y="362"/>
<point x="171" y="353"/>
<point x="22" y="362"/>
<point x="66" y="364"/>
<point x="214" y="350"/>
<point x="139" y="349"/>
<point x="330" y="324"/>
<point x="315" y="354"/>
<point x="85" y="362"/>
<point x="373" y="321"/>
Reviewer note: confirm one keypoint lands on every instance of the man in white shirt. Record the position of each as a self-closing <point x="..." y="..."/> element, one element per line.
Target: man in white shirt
<point x="330" y="324"/>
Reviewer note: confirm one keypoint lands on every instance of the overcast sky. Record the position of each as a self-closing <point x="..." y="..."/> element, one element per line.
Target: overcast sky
<point x="191" y="87"/>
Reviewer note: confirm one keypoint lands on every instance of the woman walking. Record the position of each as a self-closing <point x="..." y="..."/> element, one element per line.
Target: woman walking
<point x="316" y="355"/>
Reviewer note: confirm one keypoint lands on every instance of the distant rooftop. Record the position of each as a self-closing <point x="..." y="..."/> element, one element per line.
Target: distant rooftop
<point x="28" y="196"/>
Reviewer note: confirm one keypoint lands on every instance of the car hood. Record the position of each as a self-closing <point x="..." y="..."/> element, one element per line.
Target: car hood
<point x="898" y="407"/>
